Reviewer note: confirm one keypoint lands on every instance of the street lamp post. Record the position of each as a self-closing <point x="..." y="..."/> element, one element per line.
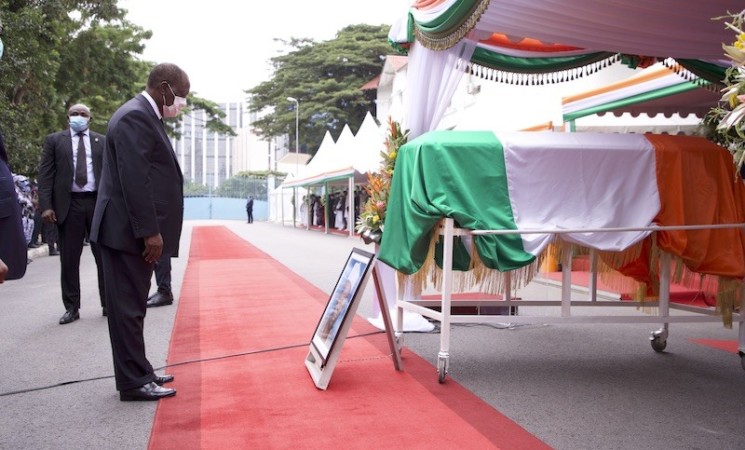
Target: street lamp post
<point x="297" y="153"/>
<point x="297" y="132"/>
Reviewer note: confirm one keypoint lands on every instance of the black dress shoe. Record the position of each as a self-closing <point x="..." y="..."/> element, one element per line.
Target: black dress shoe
<point x="161" y="380"/>
<point x="160" y="299"/>
<point x="148" y="392"/>
<point x="71" y="315"/>
<point x="53" y="252"/>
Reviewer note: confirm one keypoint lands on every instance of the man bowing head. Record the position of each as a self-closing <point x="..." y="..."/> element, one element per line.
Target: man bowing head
<point x="138" y="216"/>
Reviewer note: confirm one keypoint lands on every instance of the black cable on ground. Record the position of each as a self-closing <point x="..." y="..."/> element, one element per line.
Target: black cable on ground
<point x="182" y="363"/>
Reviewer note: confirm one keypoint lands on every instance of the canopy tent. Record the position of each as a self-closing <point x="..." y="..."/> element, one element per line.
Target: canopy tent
<point x="350" y="156"/>
<point x="343" y="164"/>
<point x="655" y="90"/>
<point x="549" y="41"/>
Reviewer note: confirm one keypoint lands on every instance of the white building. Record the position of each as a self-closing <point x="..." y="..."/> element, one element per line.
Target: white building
<point x="209" y="158"/>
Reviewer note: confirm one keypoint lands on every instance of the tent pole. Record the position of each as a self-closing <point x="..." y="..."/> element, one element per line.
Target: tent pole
<point x="350" y="206"/>
<point x="326" y="208"/>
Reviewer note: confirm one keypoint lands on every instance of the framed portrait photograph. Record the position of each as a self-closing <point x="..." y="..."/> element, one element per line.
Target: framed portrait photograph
<point x="337" y="316"/>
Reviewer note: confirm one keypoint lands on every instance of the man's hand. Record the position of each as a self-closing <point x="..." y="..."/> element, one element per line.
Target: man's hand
<point x="49" y="216"/>
<point x="3" y="271"/>
<point x="153" y="248"/>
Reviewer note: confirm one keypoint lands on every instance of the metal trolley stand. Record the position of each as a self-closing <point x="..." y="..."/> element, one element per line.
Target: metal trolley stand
<point x="658" y="338"/>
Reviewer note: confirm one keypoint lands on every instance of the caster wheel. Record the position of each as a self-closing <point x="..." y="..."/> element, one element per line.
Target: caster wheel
<point x="658" y="344"/>
<point x="442" y="370"/>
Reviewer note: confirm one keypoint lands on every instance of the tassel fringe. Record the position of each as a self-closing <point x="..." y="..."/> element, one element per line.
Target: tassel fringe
<point x="725" y="293"/>
<point x="538" y="79"/>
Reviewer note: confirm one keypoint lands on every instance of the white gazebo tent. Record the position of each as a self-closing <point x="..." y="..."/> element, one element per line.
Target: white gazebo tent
<point x="344" y="163"/>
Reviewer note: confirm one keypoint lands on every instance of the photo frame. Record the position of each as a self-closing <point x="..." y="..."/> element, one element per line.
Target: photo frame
<point x="333" y="325"/>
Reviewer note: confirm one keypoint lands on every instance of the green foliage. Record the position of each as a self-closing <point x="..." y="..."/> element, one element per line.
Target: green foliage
<point x="725" y="123"/>
<point x="192" y="189"/>
<point x="215" y="116"/>
<point x="62" y="52"/>
<point x="241" y="185"/>
<point x="57" y="53"/>
<point x="326" y="78"/>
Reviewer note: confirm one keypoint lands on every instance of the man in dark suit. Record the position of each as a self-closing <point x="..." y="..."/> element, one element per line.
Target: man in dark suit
<point x="69" y="175"/>
<point x="250" y="209"/>
<point x="12" y="240"/>
<point x="138" y="217"/>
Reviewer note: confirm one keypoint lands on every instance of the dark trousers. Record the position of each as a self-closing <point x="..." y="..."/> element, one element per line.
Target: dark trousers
<point x="127" y="282"/>
<point x="71" y="235"/>
<point x="49" y="234"/>
<point x="163" y="274"/>
<point x="250" y="214"/>
<point x="38" y="227"/>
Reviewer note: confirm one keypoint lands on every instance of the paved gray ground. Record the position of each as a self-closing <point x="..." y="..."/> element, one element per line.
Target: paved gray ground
<point x="574" y="386"/>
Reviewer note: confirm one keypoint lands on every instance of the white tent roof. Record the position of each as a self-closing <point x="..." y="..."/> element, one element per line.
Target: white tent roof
<point x="368" y="143"/>
<point x="350" y="155"/>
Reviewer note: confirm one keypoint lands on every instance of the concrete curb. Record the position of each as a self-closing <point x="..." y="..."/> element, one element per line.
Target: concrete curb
<point x="42" y="250"/>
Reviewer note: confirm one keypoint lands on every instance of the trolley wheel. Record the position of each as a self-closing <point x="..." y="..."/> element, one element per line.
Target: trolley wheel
<point x="442" y="369"/>
<point x="658" y="344"/>
<point x="399" y="342"/>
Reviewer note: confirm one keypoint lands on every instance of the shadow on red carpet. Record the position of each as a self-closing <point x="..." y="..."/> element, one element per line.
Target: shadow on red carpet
<point x="237" y="351"/>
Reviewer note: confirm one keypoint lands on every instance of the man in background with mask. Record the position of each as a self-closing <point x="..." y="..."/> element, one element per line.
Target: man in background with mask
<point x="69" y="175"/>
<point x="138" y="218"/>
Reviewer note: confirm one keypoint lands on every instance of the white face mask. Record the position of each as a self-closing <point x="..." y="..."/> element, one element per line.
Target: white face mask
<point x="179" y="103"/>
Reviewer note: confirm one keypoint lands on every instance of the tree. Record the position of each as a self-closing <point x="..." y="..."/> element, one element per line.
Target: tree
<point x="725" y="123"/>
<point x="62" y="52"/>
<point x="59" y="52"/>
<point x="326" y="78"/>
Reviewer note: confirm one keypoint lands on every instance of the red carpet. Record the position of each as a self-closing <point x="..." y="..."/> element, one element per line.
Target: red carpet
<point x="236" y="300"/>
<point x="726" y="345"/>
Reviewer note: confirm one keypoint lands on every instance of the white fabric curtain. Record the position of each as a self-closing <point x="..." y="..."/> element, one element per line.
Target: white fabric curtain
<point x="432" y="78"/>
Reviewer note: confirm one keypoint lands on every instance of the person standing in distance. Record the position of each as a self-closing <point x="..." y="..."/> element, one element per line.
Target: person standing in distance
<point x="250" y="209"/>
<point x="138" y="217"/>
<point x="69" y="175"/>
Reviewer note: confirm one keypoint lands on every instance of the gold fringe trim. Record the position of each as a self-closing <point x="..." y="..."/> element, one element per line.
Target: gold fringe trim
<point x="447" y="39"/>
<point x="729" y="298"/>
<point x="539" y="79"/>
<point x="728" y="292"/>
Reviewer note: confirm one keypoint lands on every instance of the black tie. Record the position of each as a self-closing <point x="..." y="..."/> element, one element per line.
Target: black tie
<point x="81" y="167"/>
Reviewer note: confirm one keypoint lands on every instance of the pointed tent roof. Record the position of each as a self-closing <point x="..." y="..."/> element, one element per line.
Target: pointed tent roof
<point x="331" y="164"/>
<point x="350" y="156"/>
<point x="369" y="142"/>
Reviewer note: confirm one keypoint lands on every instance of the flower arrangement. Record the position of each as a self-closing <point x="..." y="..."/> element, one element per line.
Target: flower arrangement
<point x="726" y="123"/>
<point x="372" y="216"/>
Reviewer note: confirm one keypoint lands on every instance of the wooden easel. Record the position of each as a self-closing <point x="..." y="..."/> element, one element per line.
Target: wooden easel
<point x="321" y="369"/>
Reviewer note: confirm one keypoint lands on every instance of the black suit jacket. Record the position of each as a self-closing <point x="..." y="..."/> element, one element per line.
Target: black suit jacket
<point x="13" y="248"/>
<point x="141" y="190"/>
<point x="56" y="171"/>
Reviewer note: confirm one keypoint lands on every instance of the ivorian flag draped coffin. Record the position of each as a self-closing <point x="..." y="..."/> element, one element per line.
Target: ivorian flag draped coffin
<point x="553" y="181"/>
